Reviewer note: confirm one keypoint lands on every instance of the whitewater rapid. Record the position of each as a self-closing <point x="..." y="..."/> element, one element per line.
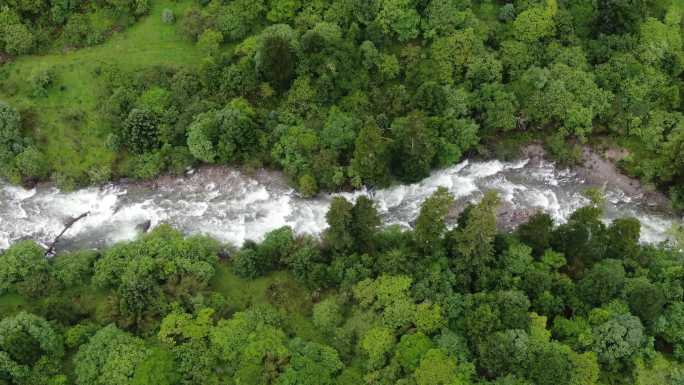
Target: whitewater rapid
<point x="232" y="206"/>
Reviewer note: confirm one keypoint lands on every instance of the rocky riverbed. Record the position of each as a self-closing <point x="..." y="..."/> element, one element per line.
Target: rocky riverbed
<point x="233" y="205"/>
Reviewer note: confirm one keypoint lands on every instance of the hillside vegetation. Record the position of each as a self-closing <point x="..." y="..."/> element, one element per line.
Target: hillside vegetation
<point x="337" y="94"/>
<point x="577" y="304"/>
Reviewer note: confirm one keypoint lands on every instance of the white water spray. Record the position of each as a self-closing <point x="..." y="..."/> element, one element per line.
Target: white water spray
<point x="233" y="207"/>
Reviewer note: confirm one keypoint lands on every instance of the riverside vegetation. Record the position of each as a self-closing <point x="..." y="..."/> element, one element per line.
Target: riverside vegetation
<point x="577" y="304"/>
<point x="337" y="94"/>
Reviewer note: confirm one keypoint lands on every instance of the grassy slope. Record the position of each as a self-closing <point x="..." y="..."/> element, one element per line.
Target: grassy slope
<point x="279" y="289"/>
<point x="75" y="146"/>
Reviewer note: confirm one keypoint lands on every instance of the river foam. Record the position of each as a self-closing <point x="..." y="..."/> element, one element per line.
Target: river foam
<point x="233" y="207"/>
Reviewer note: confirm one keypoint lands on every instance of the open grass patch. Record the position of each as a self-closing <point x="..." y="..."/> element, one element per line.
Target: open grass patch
<point x="63" y="117"/>
<point x="278" y="289"/>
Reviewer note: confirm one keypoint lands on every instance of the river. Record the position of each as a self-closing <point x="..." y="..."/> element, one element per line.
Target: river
<point x="233" y="206"/>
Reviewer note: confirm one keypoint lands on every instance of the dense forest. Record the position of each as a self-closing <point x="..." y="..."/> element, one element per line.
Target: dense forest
<point x="582" y="303"/>
<point x="338" y="94"/>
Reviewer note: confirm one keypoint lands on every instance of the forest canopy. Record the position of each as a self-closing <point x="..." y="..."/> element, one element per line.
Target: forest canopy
<point x="582" y="303"/>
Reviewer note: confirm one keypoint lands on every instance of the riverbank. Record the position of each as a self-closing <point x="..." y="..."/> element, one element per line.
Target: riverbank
<point x="233" y="205"/>
<point x="599" y="168"/>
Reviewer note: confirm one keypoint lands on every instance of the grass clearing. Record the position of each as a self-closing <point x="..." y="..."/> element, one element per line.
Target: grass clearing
<point x="65" y="122"/>
<point x="278" y="289"/>
<point x="11" y="303"/>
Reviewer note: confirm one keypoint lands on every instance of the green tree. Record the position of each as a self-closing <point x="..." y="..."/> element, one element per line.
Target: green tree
<point x="370" y="162"/>
<point x="32" y="164"/>
<point x="437" y="368"/>
<point x="327" y="314"/>
<point x="296" y="149"/>
<point x="429" y="318"/>
<point x="472" y="244"/>
<point x="209" y="42"/>
<point x="227" y="135"/>
<point x="619" y="340"/>
<point x="276" y="56"/>
<point x="582" y="239"/>
<point x="140" y="131"/>
<point x="10" y="136"/>
<point x="239" y="17"/>
<point x="110" y="357"/>
<point x="157" y="369"/>
<point x="430" y="225"/>
<point x="377" y="344"/>
<point x="399" y="17"/>
<point x="365" y="223"/>
<point x="340" y="130"/>
<point x="619" y="16"/>
<point x="536" y="232"/>
<point x="411" y="349"/>
<point x="498" y="106"/>
<point x="550" y="363"/>
<point x="671" y="327"/>
<point x="311" y="364"/>
<point x="536" y="22"/>
<point x="603" y="282"/>
<point x="17" y="39"/>
<point x="505" y="352"/>
<point x="646" y="300"/>
<point x="340" y="220"/>
<point x="414" y="147"/>
<point x="25" y="338"/>
<point x="283" y="11"/>
<point x="23" y="267"/>
<point x="623" y="238"/>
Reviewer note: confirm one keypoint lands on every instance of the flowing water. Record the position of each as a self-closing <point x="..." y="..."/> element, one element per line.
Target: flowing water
<point x="232" y="206"/>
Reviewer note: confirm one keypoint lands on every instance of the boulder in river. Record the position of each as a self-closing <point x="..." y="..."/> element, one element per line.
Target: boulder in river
<point x="143" y="227"/>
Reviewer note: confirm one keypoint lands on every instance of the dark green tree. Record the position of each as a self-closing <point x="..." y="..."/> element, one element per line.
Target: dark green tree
<point x="430" y="225"/>
<point x="414" y="147"/>
<point x="140" y="131"/>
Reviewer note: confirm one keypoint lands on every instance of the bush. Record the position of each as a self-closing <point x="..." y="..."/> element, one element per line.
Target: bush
<point x="32" y="164"/>
<point x="77" y="30"/>
<point x="139" y="132"/>
<point x="563" y="152"/>
<point x="168" y="16"/>
<point x="210" y="41"/>
<point x="178" y="159"/>
<point x="41" y="79"/>
<point x="18" y="39"/>
<point x="146" y="166"/>
<point x="10" y="139"/>
<point x="100" y="174"/>
<point x="192" y="23"/>
<point x="247" y="264"/>
<point x="307" y="185"/>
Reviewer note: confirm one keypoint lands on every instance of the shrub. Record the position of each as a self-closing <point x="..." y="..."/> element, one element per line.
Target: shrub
<point x="210" y="41"/>
<point x="146" y="166"/>
<point x="139" y="132"/>
<point x="307" y="185"/>
<point x="41" y="79"/>
<point x="18" y="39"/>
<point x="10" y="139"/>
<point x="168" y="16"/>
<point x="32" y="164"/>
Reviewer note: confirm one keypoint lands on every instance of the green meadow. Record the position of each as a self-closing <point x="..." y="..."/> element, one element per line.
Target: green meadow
<point x="65" y="123"/>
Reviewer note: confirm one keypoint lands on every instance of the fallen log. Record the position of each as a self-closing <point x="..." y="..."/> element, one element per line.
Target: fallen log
<point x="51" y="249"/>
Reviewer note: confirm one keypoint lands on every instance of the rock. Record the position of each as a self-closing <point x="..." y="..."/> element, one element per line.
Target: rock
<point x="224" y="254"/>
<point x="144" y="226"/>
